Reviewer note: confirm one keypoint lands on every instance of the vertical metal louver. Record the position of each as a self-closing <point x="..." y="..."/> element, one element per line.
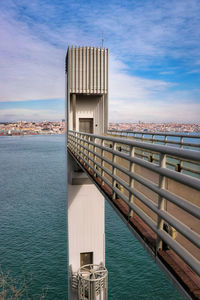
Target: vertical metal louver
<point x="87" y="70"/>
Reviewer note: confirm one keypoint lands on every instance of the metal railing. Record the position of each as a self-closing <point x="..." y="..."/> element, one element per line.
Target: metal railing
<point x="183" y="141"/>
<point x="151" y="191"/>
<point x="92" y="282"/>
<point x="177" y="139"/>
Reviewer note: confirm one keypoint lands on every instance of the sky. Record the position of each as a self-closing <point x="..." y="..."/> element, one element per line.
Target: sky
<point x="154" y="57"/>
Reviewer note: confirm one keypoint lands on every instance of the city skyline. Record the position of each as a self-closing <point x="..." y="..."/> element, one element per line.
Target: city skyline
<point x="154" y="57"/>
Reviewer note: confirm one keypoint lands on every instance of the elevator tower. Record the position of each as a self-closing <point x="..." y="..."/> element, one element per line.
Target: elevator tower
<point x="87" y="111"/>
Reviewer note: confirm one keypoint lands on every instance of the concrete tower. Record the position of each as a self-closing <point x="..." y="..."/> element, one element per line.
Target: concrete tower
<point x="87" y="111"/>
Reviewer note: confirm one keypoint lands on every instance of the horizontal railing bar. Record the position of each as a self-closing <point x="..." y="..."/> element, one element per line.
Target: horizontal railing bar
<point x="181" y="153"/>
<point x="182" y="178"/>
<point x="184" y="204"/>
<point x="165" y="142"/>
<point x="156" y="159"/>
<point x="183" y="229"/>
<point x="159" y="133"/>
<point x="192" y="236"/>
<point x="183" y="253"/>
<point x="190" y="170"/>
<point x="172" y="164"/>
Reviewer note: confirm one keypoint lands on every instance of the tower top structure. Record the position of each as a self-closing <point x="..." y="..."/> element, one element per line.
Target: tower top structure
<point x="87" y="70"/>
<point x="87" y="89"/>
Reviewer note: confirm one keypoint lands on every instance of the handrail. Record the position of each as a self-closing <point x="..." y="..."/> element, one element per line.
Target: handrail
<point x="184" y="135"/>
<point x="192" y="209"/>
<point x="179" y="166"/>
<point x="144" y="136"/>
<point x="94" y="153"/>
<point x="183" y="153"/>
<point x="182" y="178"/>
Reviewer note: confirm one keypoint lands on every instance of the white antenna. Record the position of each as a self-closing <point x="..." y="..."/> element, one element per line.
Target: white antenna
<point x="102" y="39"/>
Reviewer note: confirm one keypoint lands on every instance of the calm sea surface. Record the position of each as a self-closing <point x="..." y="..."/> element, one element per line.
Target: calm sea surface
<point x="33" y="236"/>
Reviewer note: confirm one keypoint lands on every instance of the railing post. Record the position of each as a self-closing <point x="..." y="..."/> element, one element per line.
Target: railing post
<point x="181" y="162"/>
<point x="94" y="156"/>
<point x="75" y="142"/>
<point x="181" y="142"/>
<point x="142" y="152"/>
<point x="142" y="137"/>
<point x="89" y="154"/>
<point x="80" y="143"/>
<point x="161" y="201"/>
<point x="153" y="138"/>
<point x="131" y="180"/>
<point x="84" y="151"/>
<point x="87" y="146"/>
<point x="114" y="169"/>
<point x="165" y="140"/>
<point x="102" y="162"/>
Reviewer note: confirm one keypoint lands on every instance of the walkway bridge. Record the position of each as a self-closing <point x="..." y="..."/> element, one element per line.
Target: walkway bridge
<point x="154" y="188"/>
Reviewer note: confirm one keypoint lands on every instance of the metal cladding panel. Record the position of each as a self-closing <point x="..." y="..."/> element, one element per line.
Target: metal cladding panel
<point x="88" y="70"/>
<point x="85" y="224"/>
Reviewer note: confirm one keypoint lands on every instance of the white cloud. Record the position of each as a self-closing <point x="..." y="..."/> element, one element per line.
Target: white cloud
<point x="32" y="53"/>
<point x="159" y="112"/>
<point x="30" y="115"/>
<point x="30" y="68"/>
<point x="133" y="98"/>
<point x="123" y="85"/>
<point x="148" y="31"/>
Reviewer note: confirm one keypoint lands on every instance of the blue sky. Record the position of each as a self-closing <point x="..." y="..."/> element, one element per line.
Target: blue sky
<point x="154" y="57"/>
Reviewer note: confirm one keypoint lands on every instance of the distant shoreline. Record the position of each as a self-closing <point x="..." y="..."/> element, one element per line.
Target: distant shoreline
<point x="36" y="134"/>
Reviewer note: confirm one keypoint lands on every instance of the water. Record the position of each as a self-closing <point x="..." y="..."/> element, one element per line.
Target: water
<point x="33" y="240"/>
<point x="33" y="212"/>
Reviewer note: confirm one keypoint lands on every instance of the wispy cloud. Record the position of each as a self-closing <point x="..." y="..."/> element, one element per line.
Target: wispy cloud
<point x="31" y="68"/>
<point x="158" y="112"/>
<point x="141" y="37"/>
<point x="30" y="115"/>
<point x="129" y="87"/>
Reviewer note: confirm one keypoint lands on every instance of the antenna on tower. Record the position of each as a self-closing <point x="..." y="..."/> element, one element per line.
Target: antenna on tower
<point x="102" y="39"/>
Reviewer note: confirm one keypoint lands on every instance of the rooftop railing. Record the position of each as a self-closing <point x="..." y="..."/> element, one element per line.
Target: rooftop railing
<point x="161" y="197"/>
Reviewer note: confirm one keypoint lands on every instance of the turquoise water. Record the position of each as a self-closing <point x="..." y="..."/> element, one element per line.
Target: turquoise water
<point x="33" y="239"/>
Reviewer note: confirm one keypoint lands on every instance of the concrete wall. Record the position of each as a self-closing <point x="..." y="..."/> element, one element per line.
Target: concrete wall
<point x="90" y="106"/>
<point x="85" y="224"/>
<point x="85" y="217"/>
